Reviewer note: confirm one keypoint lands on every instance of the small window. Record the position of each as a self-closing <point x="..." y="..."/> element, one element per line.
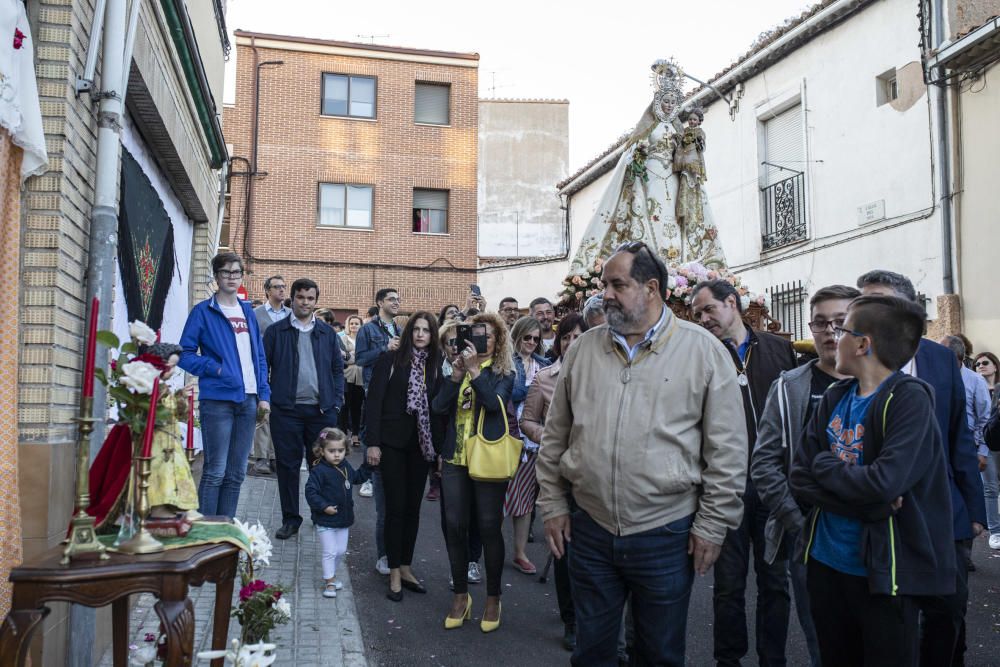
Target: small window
<point x="886" y="87"/>
<point x="430" y="211"/>
<point x="431" y="103"/>
<point x="345" y="95"/>
<point x="342" y="205"/>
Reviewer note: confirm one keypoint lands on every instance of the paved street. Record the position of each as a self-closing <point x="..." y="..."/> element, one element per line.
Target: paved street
<point x="326" y="632"/>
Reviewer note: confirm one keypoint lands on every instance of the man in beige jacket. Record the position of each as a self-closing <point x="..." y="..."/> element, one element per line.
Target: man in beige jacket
<point x="645" y="431"/>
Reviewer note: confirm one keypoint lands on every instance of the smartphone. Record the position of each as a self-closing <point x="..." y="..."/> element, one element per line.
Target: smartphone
<point x="475" y="290"/>
<point x="472" y="332"/>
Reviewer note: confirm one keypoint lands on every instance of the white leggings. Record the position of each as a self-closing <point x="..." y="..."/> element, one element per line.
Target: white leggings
<point x="334" y="544"/>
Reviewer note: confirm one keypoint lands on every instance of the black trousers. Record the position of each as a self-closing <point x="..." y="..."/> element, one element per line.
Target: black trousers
<point x="354" y="398"/>
<point x="293" y="432"/>
<point x="942" y="632"/>
<point x="404" y="474"/>
<point x="459" y="489"/>
<point x="856" y="628"/>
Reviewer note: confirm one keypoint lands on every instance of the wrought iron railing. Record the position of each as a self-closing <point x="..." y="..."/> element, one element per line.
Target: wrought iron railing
<point x="783" y="212"/>
<point x="788" y="306"/>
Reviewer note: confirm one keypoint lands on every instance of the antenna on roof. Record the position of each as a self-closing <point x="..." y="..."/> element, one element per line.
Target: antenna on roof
<point x="493" y="85"/>
<point x="371" y="37"/>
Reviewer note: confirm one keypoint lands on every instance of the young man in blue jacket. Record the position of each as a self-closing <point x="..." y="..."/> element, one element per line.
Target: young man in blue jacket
<point x="871" y="468"/>
<point x="222" y="345"/>
<point x="942" y="640"/>
<point x="307" y="379"/>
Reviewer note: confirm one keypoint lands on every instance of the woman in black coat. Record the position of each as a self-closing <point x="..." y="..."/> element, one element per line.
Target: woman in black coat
<point x="398" y="422"/>
<point x="480" y="384"/>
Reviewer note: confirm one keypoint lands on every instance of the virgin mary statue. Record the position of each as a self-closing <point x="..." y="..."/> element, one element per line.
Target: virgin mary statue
<point x="656" y="193"/>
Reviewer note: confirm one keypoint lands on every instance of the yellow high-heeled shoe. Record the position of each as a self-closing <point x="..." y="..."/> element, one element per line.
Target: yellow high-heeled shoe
<point x="452" y="623"/>
<point x="490" y="626"/>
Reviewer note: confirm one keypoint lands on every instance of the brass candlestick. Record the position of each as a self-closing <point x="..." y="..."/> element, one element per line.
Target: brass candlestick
<point x="190" y="454"/>
<point x="82" y="537"/>
<point x="143" y="541"/>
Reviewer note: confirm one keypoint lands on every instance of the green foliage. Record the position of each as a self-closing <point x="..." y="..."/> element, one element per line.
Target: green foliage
<point x="108" y="339"/>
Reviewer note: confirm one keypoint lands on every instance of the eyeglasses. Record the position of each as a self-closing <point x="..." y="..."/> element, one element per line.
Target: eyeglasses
<point x="392" y="299"/>
<point x="819" y="326"/>
<point x="230" y="274"/>
<point x="983" y="362"/>
<point x="838" y="333"/>
<point x="529" y="338"/>
<point x="509" y="309"/>
<point x="274" y="286"/>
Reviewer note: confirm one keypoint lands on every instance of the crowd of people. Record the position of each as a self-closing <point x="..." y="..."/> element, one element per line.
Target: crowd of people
<point x="853" y="476"/>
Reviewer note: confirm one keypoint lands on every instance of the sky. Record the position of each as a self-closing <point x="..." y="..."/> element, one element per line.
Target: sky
<point x="594" y="54"/>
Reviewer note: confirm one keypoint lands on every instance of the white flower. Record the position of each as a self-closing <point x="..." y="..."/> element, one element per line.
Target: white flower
<point x="671" y="281"/>
<point x="284" y="608"/>
<point x="260" y="543"/>
<point x="745" y="301"/>
<point x="138" y="376"/>
<point x="143" y="655"/>
<point x="141" y="333"/>
<point x="253" y="655"/>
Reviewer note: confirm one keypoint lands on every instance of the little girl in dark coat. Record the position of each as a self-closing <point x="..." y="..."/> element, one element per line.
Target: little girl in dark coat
<point x="330" y="495"/>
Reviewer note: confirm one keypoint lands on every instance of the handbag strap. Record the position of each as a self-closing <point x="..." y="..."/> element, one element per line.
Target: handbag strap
<point x="482" y="416"/>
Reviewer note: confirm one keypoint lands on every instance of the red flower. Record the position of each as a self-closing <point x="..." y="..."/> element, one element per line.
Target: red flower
<point x="152" y="360"/>
<point x="248" y="591"/>
<point x="114" y="365"/>
<point x="18" y="38"/>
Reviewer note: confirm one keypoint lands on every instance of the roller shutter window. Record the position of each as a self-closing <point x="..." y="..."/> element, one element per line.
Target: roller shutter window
<point x="431" y="103"/>
<point x="783" y="145"/>
<point x="430" y="211"/>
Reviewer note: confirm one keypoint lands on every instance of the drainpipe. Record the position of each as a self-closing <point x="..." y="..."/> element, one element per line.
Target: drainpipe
<point x="940" y="92"/>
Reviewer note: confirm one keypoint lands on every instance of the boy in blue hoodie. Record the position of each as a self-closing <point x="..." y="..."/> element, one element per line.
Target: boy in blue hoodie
<point x="872" y="469"/>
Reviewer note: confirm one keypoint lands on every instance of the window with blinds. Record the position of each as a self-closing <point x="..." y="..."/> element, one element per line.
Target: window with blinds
<point x="782" y="187"/>
<point x="784" y="152"/>
<point x="345" y="95"/>
<point x="431" y="103"/>
<point x="430" y="211"/>
<point x="342" y="205"/>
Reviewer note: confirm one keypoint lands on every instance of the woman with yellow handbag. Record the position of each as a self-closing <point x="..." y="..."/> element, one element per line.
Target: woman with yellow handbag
<point x="480" y="456"/>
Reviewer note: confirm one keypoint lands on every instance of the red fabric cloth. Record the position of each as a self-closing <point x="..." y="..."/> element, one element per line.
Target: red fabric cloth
<point x="109" y="472"/>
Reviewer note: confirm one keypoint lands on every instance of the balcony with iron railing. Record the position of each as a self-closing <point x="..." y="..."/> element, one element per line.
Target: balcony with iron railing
<point x="783" y="212"/>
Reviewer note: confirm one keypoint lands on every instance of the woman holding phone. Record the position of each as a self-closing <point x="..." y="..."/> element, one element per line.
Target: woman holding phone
<point x="481" y="383"/>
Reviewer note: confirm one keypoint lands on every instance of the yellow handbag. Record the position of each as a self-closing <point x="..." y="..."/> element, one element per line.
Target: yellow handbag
<point x="492" y="460"/>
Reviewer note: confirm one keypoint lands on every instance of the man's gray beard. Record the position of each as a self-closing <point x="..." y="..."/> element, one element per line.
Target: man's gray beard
<point x="622" y="321"/>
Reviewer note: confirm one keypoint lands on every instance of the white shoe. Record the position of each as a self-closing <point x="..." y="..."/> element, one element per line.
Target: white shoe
<point x="995" y="541"/>
<point x="330" y="591"/>
<point x="474" y="576"/>
<point x="366" y="490"/>
<point x="382" y="565"/>
<point x="337" y="585"/>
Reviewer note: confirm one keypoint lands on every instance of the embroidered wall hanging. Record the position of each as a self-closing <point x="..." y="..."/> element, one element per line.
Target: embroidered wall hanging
<point x="145" y="245"/>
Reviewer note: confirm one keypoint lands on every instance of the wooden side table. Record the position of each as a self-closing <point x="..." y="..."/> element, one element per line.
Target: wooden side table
<point x="97" y="583"/>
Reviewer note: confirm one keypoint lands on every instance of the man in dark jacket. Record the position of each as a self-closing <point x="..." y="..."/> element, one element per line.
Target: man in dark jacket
<point x="872" y="469"/>
<point x="759" y="358"/>
<point x="307" y="390"/>
<point x="943" y="623"/>
<point x="791" y="402"/>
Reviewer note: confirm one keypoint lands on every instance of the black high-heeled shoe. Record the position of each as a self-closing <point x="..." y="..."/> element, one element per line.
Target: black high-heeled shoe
<point x="414" y="586"/>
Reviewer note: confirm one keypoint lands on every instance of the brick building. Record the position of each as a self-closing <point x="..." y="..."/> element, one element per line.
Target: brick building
<point x="362" y="173"/>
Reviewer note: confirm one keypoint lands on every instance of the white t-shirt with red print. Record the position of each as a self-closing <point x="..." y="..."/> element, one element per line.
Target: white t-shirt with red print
<point x="241" y="328"/>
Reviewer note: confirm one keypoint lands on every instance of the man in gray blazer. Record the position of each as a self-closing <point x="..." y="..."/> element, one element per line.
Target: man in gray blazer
<point x="273" y="310"/>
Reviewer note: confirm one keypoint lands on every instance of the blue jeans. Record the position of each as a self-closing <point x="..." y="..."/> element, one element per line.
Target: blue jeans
<point x="729" y="595"/>
<point x="227" y="430"/>
<point x="991" y="487"/>
<point x="654" y="567"/>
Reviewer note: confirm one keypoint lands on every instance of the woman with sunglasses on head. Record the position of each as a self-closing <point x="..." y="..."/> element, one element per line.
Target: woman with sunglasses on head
<point x="522" y="491"/>
<point x="400" y="440"/>
<point x="535" y="407"/>
<point x="480" y="385"/>
<point x="987" y="365"/>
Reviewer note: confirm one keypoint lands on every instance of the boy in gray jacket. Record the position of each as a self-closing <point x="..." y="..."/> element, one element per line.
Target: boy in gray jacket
<point x="790" y="403"/>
